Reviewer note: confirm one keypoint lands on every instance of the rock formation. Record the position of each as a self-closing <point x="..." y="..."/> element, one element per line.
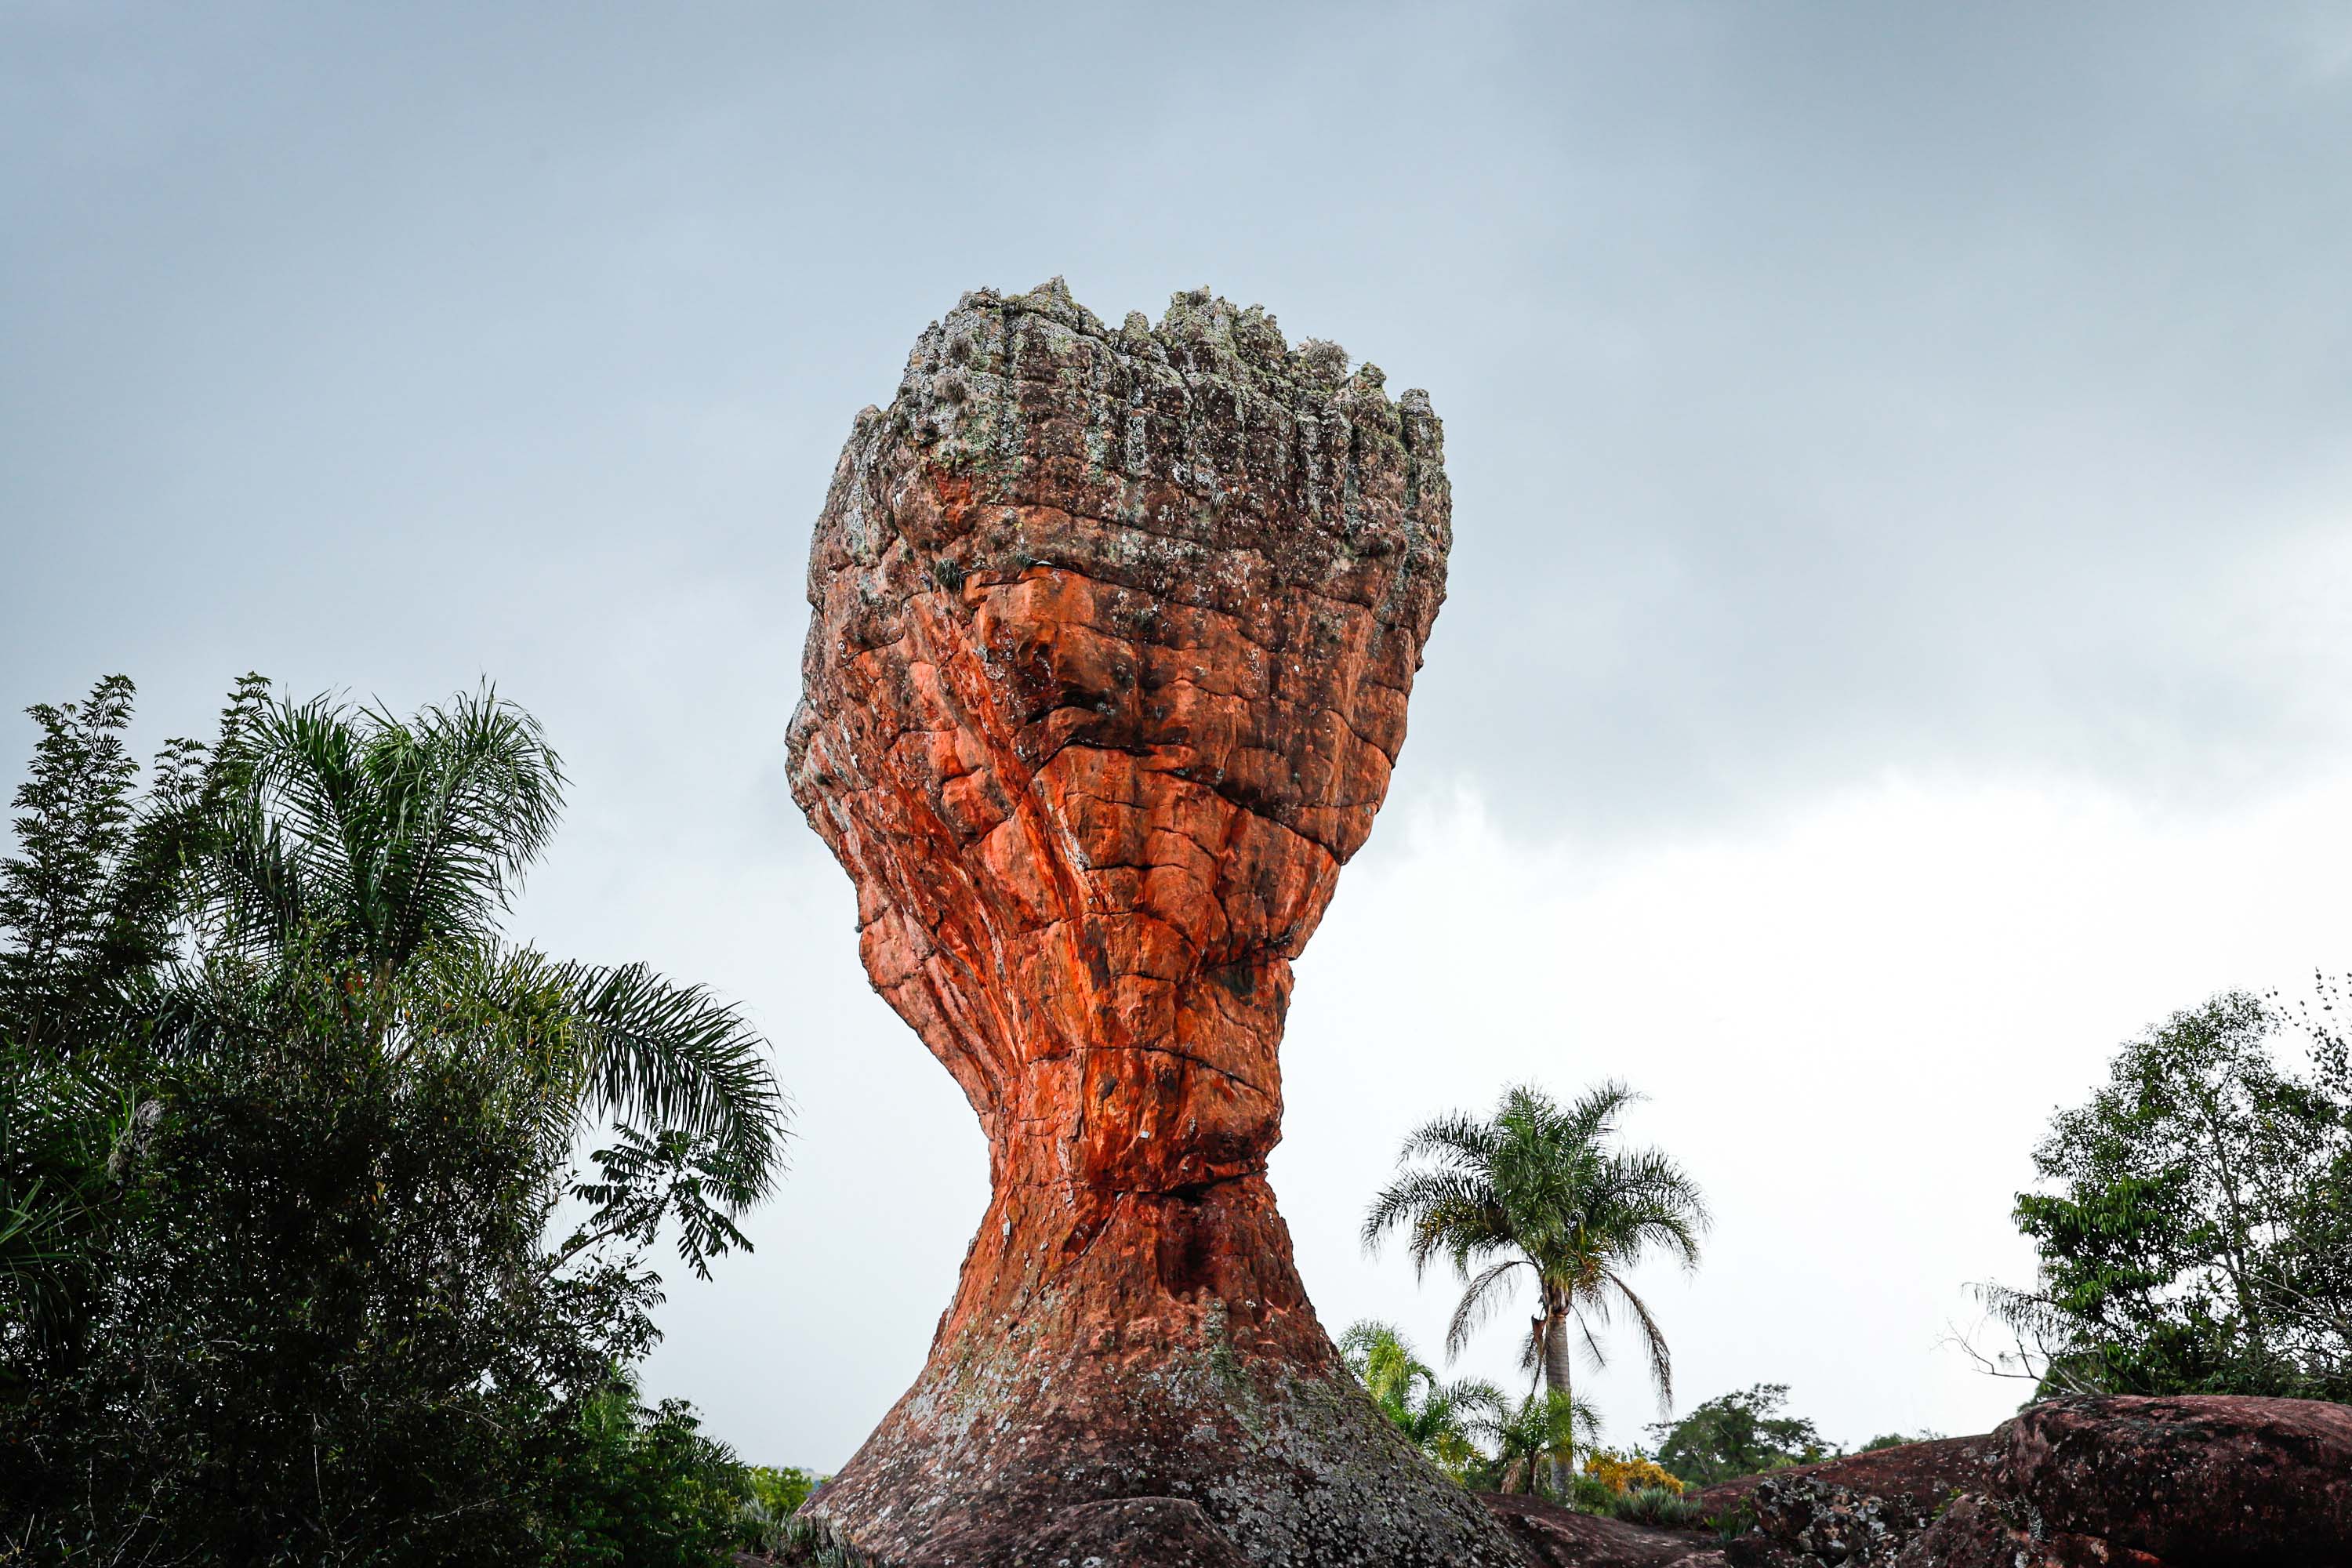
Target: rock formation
<point x="1113" y="633"/>
<point x="2117" y="1482"/>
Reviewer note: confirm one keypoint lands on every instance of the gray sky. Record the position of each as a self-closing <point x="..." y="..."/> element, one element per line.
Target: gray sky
<point x="1901" y="457"/>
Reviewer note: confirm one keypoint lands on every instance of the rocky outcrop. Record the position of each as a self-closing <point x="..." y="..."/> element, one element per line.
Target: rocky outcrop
<point x="1113" y="632"/>
<point x="2211" y="1482"/>
<point x="1862" y="1510"/>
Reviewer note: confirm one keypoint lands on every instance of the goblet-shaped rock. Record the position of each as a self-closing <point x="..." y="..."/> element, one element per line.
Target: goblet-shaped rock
<point x="1113" y="633"/>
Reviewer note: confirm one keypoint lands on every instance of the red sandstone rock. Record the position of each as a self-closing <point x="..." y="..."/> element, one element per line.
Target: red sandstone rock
<point x="2214" y="1480"/>
<point x="2209" y="1481"/>
<point x="1138" y="1532"/>
<point x="1913" y="1479"/>
<point x="1974" y="1532"/>
<point x="1113" y="634"/>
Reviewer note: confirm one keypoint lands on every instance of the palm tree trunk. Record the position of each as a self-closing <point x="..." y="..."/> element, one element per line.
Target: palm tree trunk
<point x="1556" y="1380"/>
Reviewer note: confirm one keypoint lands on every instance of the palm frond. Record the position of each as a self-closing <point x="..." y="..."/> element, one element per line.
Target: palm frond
<point x="664" y="1055"/>
<point x="1456" y="1136"/>
<point x="1653" y="1343"/>
<point x="1480" y="1299"/>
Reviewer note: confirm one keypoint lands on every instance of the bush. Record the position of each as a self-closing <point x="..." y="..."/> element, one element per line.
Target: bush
<point x="1627" y="1472"/>
<point x="1589" y="1494"/>
<point x="643" y="1488"/>
<point x="776" y="1496"/>
<point x="1666" y="1507"/>
<point x="1896" y="1440"/>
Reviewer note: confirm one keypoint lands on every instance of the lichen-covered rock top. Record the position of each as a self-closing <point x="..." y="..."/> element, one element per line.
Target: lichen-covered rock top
<point x="1190" y="537"/>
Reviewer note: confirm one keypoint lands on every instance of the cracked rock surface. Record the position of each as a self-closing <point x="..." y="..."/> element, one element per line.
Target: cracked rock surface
<point x="1113" y="633"/>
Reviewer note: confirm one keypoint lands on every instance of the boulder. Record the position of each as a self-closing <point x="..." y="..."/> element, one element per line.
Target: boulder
<point x="2211" y="1480"/>
<point x="1862" y="1510"/>
<point x="2208" y="1481"/>
<point x="1974" y="1532"/>
<point x="1112" y="634"/>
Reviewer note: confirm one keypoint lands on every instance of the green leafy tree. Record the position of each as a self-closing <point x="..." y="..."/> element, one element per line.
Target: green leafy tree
<point x="1441" y="1419"/>
<point x="644" y="1488"/>
<point x="91" y="899"/>
<point x="1735" y="1434"/>
<point x="324" y="1330"/>
<point x="276" y="1167"/>
<point x="89" y="906"/>
<point x="1537" y="1192"/>
<point x="2191" y="1227"/>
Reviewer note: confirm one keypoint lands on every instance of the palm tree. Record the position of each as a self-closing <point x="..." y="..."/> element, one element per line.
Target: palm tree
<point x="1538" y="1188"/>
<point x="1441" y="1419"/>
<point x="1549" y="1428"/>
<point x="385" y="853"/>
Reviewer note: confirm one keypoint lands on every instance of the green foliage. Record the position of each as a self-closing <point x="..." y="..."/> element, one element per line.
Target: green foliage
<point x="1536" y="1446"/>
<point x="643" y="1488"/>
<point x="90" y="898"/>
<point x="323" y="1331"/>
<point x="1538" y="1191"/>
<point x="765" y="1522"/>
<point x="1736" y="1435"/>
<point x="283" y="1120"/>
<point x="1657" y="1505"/>
<point x="391" y="847"/>
<point x="1896" y="1440"/>
<point x="1589" y="1494"/>
<point x="781" y="1491"/>
<point x="2195" y="1226"/>
<point x="1441" y="1419"/>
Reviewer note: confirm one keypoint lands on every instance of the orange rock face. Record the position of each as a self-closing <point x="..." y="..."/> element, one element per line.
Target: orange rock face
<point x="1113" y="634"/>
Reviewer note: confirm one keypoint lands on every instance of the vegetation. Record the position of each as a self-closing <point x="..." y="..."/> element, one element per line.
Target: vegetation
<point x="1536" y="1445"/>
<point x="1441" y="1419"/>
<point x="1663" y="1506"/>
<point x="1538" y="1189"/>
<point x="1737" y="1435"/>
<point x="2195" y="1229"/>
<point x="1630" y="1472"/>
<point x="1898" y="1441"/>
<point x="776" y="1496"/>
<point x="284" y="1118"/>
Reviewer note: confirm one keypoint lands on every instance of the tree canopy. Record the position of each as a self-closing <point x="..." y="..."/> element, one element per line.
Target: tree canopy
<point x="285" y="1118"/>
<point x="2194" y="1221"/>
<point x="1735" y="1434"/>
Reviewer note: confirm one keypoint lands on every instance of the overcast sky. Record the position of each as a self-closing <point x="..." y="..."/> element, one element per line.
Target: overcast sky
<point x="1901" y="457"/>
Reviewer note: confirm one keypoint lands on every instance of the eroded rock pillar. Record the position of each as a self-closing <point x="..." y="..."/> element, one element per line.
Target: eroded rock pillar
<point x="1113" y="633"/>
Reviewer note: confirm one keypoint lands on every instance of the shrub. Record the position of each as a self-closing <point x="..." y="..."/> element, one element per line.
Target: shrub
<point x="776" y="1495"/>
<point x="1896" y="1440"/>
<point x="1627" y="1472"/>
<point x="1589" y="1494"/>
<point x="1658" y="1506"/>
